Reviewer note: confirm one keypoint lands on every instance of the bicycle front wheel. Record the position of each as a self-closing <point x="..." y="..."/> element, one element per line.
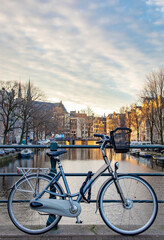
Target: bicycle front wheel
<point x="140" y="211"/>
<point x="28" y="220"/>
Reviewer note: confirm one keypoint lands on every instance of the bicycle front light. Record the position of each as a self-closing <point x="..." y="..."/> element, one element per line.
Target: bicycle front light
<point x="116" y="166"/>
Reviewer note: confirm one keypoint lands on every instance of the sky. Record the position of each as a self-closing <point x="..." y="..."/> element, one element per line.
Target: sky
<point x="85" y="53"/>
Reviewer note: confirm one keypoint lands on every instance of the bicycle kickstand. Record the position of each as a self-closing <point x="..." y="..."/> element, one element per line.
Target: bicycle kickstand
<point x="78" y="220"/>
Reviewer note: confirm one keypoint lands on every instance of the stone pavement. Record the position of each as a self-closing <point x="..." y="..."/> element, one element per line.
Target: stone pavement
<point x="80" y="232"/>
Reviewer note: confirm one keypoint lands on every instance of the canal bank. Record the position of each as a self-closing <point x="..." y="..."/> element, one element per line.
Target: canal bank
<point x="4" y="160"/>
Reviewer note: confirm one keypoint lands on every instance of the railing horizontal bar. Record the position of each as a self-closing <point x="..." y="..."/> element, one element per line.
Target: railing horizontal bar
<point x="79" y="146"/>
<point x="92" y="201"/>
<point x="85" y="174"/>
<point x="48" y="146"/>
<point x="147" y="146"/>
<point x="98" y="146"/>
<point x="24" y="146"/>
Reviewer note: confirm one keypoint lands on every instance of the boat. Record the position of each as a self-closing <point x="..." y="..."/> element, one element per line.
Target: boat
<point x="145" y="154"/>
<point x="44" y="142"/>
<point x="2" y="152"/>
<point x="7" y="151"/>
<point x="159" y="159"/>
<point x="26" y="153"/>
<point x="135" y="152"/>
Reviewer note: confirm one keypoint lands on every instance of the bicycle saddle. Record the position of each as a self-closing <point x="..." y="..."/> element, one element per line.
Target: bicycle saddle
<point x="56" y="153"/>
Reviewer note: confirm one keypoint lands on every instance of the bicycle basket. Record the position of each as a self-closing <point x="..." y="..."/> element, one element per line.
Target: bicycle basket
<point x="121" y="139"/>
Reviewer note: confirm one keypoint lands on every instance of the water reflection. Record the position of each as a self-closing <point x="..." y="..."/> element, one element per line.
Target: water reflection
<point x="40" y="159"/>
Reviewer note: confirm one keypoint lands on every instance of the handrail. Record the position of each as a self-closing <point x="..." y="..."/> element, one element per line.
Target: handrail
<point x="24" y="146"/>
<point x="85" y="174"/>
<point x="77" y="146"/>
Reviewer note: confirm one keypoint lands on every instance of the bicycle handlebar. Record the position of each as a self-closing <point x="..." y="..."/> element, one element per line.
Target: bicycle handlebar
<point x="104" y="138"/>
<point x="99" y="135"/>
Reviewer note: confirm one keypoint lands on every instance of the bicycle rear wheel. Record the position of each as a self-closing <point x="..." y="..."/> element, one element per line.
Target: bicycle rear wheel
<point x="28" y="220"/>
<point x="140" y="212"/>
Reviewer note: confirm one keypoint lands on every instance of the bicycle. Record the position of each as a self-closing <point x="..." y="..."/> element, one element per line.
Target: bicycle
<point x="127" y="203"/>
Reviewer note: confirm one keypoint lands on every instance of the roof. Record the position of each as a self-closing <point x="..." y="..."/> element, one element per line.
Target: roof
<point x="48" y="105"/>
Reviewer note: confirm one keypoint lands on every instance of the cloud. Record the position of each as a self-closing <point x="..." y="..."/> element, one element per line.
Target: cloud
<point x="159" y="3"/>
<point x="90" y="53"/>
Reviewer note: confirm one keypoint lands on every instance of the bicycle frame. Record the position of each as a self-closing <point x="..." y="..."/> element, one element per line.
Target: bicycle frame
<point x="87" y="186"/>
<point x="68" y="194"/>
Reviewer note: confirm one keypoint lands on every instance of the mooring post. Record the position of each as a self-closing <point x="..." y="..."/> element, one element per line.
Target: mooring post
<point x="53" y="147"/>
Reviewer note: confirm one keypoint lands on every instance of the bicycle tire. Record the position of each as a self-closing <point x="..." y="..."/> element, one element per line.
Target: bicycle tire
<point x="142" y="209"/>
<point x="28" y="220"/>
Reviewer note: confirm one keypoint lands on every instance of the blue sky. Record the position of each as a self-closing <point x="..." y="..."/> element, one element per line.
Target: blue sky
<point x="93" y="53"/>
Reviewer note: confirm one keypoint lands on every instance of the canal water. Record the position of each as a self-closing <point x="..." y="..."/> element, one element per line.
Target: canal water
<point x="81" y="161"/>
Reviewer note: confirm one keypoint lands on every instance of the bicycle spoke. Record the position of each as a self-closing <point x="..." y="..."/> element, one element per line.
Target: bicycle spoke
<point x="128" y="219"/>
<point x="32" y="221"/>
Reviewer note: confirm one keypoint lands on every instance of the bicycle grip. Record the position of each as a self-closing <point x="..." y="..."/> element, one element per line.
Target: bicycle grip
<point x="99" y="142"/>
<point x="98" y="135"/>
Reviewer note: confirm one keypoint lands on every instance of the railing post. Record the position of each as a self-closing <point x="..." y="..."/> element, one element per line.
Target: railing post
<point x="53" y="147"/>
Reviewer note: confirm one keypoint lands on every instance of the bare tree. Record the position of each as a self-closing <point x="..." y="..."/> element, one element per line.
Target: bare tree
<point x="47" y="120"/>
<point x="8" y="106"/>
<point x="154" y="89"/>
<point x="128" y="117"/>
<point x="123" y="117"/>
<point x="148" y="110"/>
<point x="115" y="120"/>
<point x="27" y="109"/>
<point x="42" y="122"/>
<point x="136" y="119"/>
